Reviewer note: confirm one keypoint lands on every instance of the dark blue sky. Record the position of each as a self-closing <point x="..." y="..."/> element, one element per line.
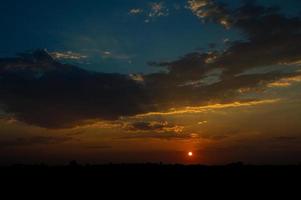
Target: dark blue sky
<point x="110" y="38"/>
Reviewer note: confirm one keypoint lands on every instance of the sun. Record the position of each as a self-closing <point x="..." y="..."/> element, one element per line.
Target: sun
<point x="190" y="154"/>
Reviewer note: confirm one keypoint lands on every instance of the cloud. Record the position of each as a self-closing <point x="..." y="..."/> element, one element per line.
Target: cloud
<point x="202" y="122"/>
<point x="158" y="10"/>
<point x="39" y="59"/>
<point x="39" y="90"/>
<point x="135" y="11"/>
<point x="154" y="10"/>
<point x="287" y="138"/>
<point x="37" y="140"/>
<point x="202" y="109"/>
<point x="137" y="77"/>
<point x="210" y="10"/>
<point x="63" y="96"/>
<point x="154" y="126"/>
<point x="286" y="82"/>
<point x="99" y="147"/>
<point x="115" y="56"/>
<point x="272" y="39"/>
<point x="158" y="136"/>
<point x="68" y="55"/>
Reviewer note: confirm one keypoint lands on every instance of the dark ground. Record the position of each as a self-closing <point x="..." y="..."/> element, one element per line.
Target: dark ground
<point x="152" y="179"/>
<point x="236" y="171"/>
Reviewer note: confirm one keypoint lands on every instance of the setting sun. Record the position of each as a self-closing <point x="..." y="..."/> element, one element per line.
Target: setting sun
<point x="190" y="154"/>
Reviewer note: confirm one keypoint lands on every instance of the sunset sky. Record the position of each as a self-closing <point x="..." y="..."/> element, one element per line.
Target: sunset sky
<point x="131" y="81"/>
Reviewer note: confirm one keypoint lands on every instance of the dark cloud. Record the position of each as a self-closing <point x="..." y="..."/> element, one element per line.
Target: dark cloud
<point x="190" y="67"/>
<point x="287" y="138"/>
<point x="38" y="140"/>
<point x="159" y="136"/>
<point x="154" y="127"/>
<point x="210" y="10"/>
<point x="99" y="147"/>
<point x="61" y="96"/>
<point x="271" y="39"/>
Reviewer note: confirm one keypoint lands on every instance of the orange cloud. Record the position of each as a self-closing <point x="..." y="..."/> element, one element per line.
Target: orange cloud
<point x="285" y="82"/>
<point x="201" y="109"/>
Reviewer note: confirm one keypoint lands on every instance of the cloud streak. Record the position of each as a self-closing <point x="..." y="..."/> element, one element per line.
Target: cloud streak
<point x="202" y="109"/>
<point x="68" y="55"/>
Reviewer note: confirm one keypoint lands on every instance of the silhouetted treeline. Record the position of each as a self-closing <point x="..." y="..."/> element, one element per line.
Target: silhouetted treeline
<point x="152" y="177"/>
<point x="150" y="170"/>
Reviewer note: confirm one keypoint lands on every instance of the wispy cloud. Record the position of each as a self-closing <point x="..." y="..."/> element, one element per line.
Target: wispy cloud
<point x="117" y="56"/>
<point x="135" y="11"/>
<point x="202" y="109"/>
<point x="152" y="11"/>
<point x="286" y="82"/>
<point x="158" y="10"/>
<point x="67" y="55"/>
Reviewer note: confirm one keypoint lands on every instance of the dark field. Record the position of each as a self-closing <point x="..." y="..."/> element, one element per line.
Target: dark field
<point x="231" y="172"/>
<point x="152" y="180"/>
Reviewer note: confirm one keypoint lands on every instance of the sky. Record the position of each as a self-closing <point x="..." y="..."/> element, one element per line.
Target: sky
<point x="127" y="81"/>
